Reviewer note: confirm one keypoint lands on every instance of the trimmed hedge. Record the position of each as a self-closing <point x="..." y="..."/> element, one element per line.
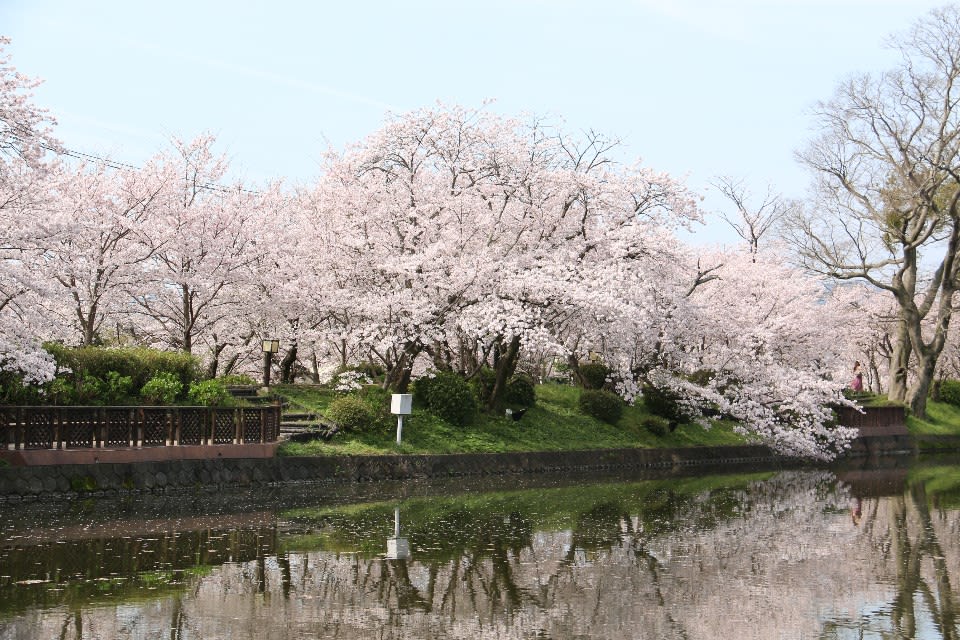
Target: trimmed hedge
<point x="950" y="392"/>
<point x="602" y="405"/>
<point x="351" y="413"/>
<point x="138" y="363"/>
<point x="447" y="396"/>
<point x="594" y="375"/>
<point x="520" y="392"/>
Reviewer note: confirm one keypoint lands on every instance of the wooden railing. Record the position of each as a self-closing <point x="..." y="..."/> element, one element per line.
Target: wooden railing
<point x="875" y="421"/>
<point x="41" y="427"/>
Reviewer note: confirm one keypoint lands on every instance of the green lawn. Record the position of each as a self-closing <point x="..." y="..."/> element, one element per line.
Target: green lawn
<point x="942" y="420"/>
<point x="554" y="424"/>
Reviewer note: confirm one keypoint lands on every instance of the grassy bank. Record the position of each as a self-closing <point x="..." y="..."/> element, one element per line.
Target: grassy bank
<point x="553" y="424"/>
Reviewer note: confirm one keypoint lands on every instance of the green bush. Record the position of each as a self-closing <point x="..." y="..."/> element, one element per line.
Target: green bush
<point x="482" y="384"/>
<point x="117" y="388"/>
<point x="14" y="391"/>
<point x="447" y="396"/>
<point x="665" y="403"/>
<point x="80" y="389"/>
<point x="602" y="405"/>
<point x="351" y="413"/>
<point x="138" y="363"/>
<point x="593" y="375"/>
<point x="209" y="393"/>
<point x="656" y="425"/>
<point x="372" y="370"/>
<point x="950" y="392"/>
<point x="520" y="392"/>
<point x="237" y="380"/>
<point x="162" y="388"/>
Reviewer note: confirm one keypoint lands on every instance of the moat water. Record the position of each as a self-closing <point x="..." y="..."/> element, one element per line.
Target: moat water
<point x="859" y="553"/>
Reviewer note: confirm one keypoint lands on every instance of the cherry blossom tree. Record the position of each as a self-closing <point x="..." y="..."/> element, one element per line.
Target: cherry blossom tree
<point x="771" y="352"/>
<point x="89" y="243"/>
<point x="201" y="246"/>
<point x="25" y="138"/>
<point x="472" y="234"/>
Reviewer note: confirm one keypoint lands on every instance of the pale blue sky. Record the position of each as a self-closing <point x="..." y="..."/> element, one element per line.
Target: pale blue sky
<point x="698" y="88"/>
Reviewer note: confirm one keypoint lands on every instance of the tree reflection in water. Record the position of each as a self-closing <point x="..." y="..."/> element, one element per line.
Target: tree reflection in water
<point x="761" y="556"/>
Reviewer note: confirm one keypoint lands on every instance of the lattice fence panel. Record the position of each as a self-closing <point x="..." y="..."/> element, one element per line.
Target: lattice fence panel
<point x="78" y="428"/>
<point x="271" y="425"/>
<point x="156" y="423"/>
<point x="193" y="426"/>
<point x="8" y="427"/>
<point x="251" y="425"/>
<point x="224" y="429"/>
<point x="39" y="428"/>
<point x="116" y="432"/>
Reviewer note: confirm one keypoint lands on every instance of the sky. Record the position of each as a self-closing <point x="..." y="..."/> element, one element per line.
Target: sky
<point x="697" y="88"/>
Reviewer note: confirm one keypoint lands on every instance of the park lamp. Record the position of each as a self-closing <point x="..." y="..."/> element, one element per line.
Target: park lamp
<point x="271" y="346"/>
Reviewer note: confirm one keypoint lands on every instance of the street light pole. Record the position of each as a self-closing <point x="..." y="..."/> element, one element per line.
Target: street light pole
<point x="270" y="347"/>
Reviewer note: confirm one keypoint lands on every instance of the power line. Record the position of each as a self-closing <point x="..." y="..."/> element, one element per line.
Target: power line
<point x="121" y="166"/>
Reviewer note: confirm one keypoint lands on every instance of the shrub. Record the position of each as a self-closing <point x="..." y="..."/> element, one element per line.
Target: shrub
<point x="602" y="405"/>
<point x="139" y="363"/>
<point x="594" y="375"/>
<point x="163" y="388"/>
<point x="117" y="388"/>
<point x="372" y="370"/>
<point x="666" y="404"/>
<point x="81" y="389"/>
<point x="209" y="393"/>
<point x="656" y="425"/>
<point x="482" y="384"/>
<point x="520" y="392"/>
<point x="950" y="392"/>
<point x="237" y="380"/>
<point x="13" y="390"/>
<point x="447" y="396"/>
<point x="351" y="413"/>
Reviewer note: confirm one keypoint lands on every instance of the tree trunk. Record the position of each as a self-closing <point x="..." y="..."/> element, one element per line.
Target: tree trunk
<point x="899" y="365"/>
<point x="398" y="376"/>
<point x="506" y="364"/>
<point x="231" y="364"/>
<point x="287" y="365"/>
<point x="921" y="386"/>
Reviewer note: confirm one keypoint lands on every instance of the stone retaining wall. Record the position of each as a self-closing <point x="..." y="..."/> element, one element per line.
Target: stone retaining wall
<point x="109" y="479"/>
<point x="92" y="480"/>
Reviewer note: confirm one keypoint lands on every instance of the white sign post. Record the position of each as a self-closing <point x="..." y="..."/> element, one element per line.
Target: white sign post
<point x="401" y="404"/>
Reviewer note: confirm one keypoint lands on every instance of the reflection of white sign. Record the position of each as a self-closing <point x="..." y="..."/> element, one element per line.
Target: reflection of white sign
<point x="397" y="548"/>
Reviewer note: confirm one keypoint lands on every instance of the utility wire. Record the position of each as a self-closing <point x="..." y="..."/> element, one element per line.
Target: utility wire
<point x="121" y="166"/>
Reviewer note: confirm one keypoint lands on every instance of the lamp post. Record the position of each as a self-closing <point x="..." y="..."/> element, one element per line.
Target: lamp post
<point x="270" y="347"/>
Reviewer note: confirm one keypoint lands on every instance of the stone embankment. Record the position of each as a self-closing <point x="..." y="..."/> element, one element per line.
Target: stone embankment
<point x="93" y="480"/>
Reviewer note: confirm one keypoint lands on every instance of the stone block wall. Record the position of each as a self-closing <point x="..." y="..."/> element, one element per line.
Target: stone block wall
<point x="109" y="479"/>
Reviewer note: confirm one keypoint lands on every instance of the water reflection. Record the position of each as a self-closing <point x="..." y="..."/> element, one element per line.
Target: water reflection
<point x="791" y="554"/>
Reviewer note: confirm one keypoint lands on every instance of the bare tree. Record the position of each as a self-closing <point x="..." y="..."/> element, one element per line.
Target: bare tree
<point x="752" y="221"/>
<point x="886" y="208"/>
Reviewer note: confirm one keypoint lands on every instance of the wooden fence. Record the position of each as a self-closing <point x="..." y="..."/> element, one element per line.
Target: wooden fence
<point x="875" y="421"/>
<point x="40" y="427"/>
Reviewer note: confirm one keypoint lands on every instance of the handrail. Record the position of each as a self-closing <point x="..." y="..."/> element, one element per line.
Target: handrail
<point x="117" y="427"/>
